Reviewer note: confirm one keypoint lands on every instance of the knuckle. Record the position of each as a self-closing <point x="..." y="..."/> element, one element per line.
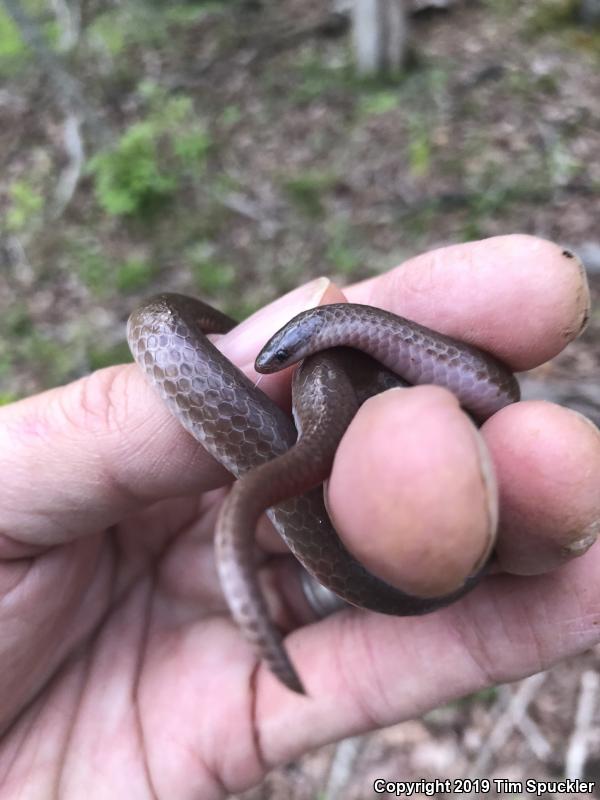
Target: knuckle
<point x="97" y="403"/>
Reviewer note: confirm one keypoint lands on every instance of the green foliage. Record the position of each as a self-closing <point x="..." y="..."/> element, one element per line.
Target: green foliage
<point x="7" y="397"/>
<point x="212" y="277"/>
<point x="152" y="159"/>
<point x="503" y="7"/>
<point x="231" y="116"/>
<point x="141" y="23"/>
<point x="316" y="78"/>
<point x="93" y="270"/>
<point x="419" y="147"/>
<point x="21" y="342"/>
<point x="425" y="90"/>
<point x="50" y="358"/>
<point x="492" y="198"/>
<point x="129" y="178"/>
<point x="306" y="191"/>
<point x="560" y="18"/>
<point x="104" y="278"/>
<point x="528" y="86"/>
<point x="17" y="322"/>
<point x="547" y="16"/>
<point x="45" y="357"/>
<point x="130" y="24"/>
<point x="342" y="252"/>
<point x="108" y="32"/>
<point x="380" y="102"/>
<point x="191" y="148"/>
<point x="13" y="51"/>
<point x="485" y="697"/>
<point x="100" y="357"/>
<point x="239" y="307"/>
<point x="25" y="204"/>
<point x="188" y="13"/>
<point x="134" y="275"/>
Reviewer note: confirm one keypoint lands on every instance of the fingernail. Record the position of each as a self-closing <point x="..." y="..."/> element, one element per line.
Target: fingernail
<point x="242" y="344"/>
<point x="583" y="543"/>
<point x="284" y="308"/>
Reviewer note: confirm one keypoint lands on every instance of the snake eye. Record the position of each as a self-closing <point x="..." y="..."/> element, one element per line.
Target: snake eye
<point x="282" y="356"/>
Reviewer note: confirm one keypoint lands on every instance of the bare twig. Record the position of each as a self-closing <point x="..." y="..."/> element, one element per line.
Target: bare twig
<point x="246" y="207"/>
<point x="343" y="766"/>
<point x="69" y="177"/>
<point x="513" y="714"/>
<point x="14" y="262"/>
<point x="67" y="91"/>
<point x="579" y="741"/>
<point x="538" y="743"/>
<point x="69" y="21"/>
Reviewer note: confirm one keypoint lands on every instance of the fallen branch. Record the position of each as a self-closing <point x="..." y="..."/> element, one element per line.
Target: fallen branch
<point x="515" y="711"/>
<point x="67" y="91"/>
<point x="580" y="738"/>
<point x="69" y="20"/>
<point x="69" y="177"/>
<point x="343" y="767"/>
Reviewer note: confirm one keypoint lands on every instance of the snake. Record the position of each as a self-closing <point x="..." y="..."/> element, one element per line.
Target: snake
<point x="346" y="353"/>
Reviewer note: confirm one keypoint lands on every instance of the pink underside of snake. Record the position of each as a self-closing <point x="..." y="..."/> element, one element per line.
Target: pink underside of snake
<point x="252" y="437"/>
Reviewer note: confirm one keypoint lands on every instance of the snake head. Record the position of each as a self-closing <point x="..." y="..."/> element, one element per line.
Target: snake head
<point x="296" y="340"/>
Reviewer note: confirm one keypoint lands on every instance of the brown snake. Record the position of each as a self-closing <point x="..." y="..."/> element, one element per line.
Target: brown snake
<point x="253" y="438"/>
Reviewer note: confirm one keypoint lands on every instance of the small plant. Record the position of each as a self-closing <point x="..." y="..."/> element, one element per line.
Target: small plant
<point x="152" y="158"/>
<point x="503" y="7"/>
<point x="419" y="148"/>
<point x="93" y="270"/>
<point x="342" y="251"/>
<point x="129" y="178"/>
<point x="547" y="16"/>
<point x="231" y="116"/>
<point x="133" y="275"/>
<point x="99" y="358"/>
<point x="25" y="204"/>
<point x="103" y="277"/>
<point x="306" y="191"/>
<point x="315" y="78"/>
<point x="13" y="51"/>
<point x="108" y="32"/>
<point x="211" y="275"/>
<point x="380" y="102"/>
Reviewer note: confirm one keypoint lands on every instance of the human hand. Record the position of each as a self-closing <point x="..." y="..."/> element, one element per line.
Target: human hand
<point x="122" y="672"/>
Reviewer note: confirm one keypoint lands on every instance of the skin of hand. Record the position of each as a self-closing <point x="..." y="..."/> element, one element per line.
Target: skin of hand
<point x="122" y="674"/>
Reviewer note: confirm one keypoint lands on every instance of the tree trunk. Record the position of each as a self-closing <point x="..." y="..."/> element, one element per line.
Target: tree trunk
<point x="380" y="34"/>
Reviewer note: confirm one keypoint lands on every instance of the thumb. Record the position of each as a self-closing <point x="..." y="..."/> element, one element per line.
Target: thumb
<point x="78" y="458"/>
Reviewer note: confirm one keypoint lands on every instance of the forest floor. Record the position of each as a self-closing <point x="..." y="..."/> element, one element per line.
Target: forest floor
<point x="231" y="152"/>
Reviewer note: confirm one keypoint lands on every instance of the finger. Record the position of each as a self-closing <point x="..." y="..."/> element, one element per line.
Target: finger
<point x="78" y="458"/>
<point x="547" y="461"/>
<point x="412" y="491"/>
<point x="365" y="670"/>
<point x="413" y="495"/>
<point x="522" y="298"/>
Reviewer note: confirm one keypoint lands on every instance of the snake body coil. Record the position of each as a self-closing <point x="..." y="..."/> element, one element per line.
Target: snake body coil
<point x="256" y="441"/>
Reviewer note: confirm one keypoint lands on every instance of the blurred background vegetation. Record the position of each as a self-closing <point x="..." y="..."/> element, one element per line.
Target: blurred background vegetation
<point x="229" y="149"/>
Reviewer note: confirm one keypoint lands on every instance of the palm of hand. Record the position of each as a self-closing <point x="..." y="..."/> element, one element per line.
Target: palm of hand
<point x="130" y="656"/>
